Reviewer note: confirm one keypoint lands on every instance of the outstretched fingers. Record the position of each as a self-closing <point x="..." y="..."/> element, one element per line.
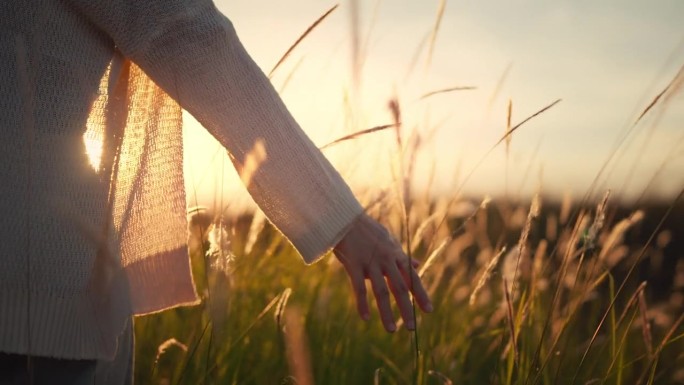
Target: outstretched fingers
<point x="415" y="286"/>
<point x="358" y="283"/>
<point x="400" y="290"/>
<point x="382" y="298"/>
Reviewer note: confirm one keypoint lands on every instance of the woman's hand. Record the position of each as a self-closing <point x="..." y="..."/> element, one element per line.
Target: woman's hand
<point x="368" y="251"/>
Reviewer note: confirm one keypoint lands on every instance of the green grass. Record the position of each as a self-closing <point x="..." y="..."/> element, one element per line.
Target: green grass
<point x="573" y="309"/>
<point x="239" y="335"/>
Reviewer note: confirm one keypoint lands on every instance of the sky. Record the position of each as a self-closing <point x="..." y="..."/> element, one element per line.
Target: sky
<point x="606" y="60"/>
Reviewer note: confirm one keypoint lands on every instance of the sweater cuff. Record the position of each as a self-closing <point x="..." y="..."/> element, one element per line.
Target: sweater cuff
<point x="161" y="281"/>
<point x="330" y="228"/>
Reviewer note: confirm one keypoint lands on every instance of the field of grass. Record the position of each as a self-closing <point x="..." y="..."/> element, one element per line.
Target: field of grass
<point x="579" y="309"/>
<point x="525" y="292"/>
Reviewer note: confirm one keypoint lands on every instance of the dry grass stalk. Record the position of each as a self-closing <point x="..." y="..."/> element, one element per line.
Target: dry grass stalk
<point x="664" y="97"/>
<point x="517" y="126"/>
<point x="290" y="75"/>
<point x="304" y="35"/>
<point x="258" y="318"/>
<point x="453" y="254"/>
<point x="499" y="86"/>
<point x="446" y="90"/>
<point x="513" y="129"/>
<point x="281" y="305"/>
<point x="511" y="321"/>
<point x="571" y="278"/>
<point x="376" y="376"/>
<point x="389" y="364"/>
<point x="445" y="380"/>
<point x="358" y="134"/>
<point x="355" y="43"/>
<point x="507" y="134"/>
<point x="483" y="206"/>
<point x="673" y="85"/>
<point x="433" y="256"/>
<point x="416" y="55"/>
<point x="297" y="350"/>
<point x="164" y="346"/>
<point x="554" y="319"/>
<point x="503" y="138"/>
<point x="656" y="175"/>
<point x="667" y="95"/>
<point x="395" y="109"/>
<point x="535" y="208"/>
<point x="632" y="301"/>
<point x="538" y="261"/>
<point x="435" y="30"/>
<point x="599" y="219"/>
<point x="617" y="234"/>
<point x="662" y="344"/>
<point x="485" y="276"/>
<point x="408" y="168"/>
<point x="377" y="203"/>
<point x="571" y="240"/>
<point x="645" y="325"/>
<point x="422" y="228"/>
<point x="479" y="227"/>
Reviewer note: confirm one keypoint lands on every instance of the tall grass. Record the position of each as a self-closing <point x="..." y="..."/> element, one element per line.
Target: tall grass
<point x="569" y="320"/>
<point x="539" y="292"/>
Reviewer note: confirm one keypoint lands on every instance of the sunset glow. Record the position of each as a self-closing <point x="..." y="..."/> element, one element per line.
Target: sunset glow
<point x="605" y="61"/>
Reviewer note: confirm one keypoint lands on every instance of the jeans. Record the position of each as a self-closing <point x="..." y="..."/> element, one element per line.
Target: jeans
<point x="17" y="369"/>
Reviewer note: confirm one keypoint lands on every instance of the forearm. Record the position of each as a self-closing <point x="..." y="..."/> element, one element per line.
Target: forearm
<point x="195" y="55"/>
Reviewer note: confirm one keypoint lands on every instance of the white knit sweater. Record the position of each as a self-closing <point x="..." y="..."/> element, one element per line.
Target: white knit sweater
<point x="83" y="248"/>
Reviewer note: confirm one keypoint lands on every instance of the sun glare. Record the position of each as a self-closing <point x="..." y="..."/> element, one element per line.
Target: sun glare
<point x="93" y="138"/>
<point x="93" y="148"/>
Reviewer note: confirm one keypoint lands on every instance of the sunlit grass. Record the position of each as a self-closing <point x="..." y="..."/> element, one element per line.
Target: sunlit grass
<point x="563" y="291"/>
<point x="538" y="292"/>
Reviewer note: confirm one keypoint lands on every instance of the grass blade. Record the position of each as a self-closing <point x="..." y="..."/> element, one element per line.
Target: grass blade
<point x="678" y="78"/>
<point x="514" y="128"/>
<point x="357" y="134"/>
<point x="624" y="282"/>
<point x="446" y="90"/>
<point x="435" y="30"/>
<point x="304" y="35"/>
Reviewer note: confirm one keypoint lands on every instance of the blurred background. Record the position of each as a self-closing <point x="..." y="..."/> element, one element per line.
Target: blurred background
<point x="606" y="60"/>
<point x="597" y="279"/>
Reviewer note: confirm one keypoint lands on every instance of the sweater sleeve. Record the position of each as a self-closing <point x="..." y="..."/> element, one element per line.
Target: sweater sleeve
<point x="192" y="51"/>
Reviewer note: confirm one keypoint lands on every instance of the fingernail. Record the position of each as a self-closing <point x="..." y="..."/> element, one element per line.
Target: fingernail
<point x="410" y="325"/>
<point x="365" y="316"/>
<point x="392" y="327"/>
<point x="429" y="308"/>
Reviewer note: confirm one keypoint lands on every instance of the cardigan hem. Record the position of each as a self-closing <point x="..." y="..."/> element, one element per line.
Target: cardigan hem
<point x="49" y="324"/>
<point x="165" y="279"/>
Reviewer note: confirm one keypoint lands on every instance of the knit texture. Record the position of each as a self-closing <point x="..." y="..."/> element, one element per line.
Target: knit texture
<point x="89" y="240"/>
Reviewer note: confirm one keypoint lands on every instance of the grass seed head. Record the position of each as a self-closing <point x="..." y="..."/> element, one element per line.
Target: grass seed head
<point x="485" y="276"/>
